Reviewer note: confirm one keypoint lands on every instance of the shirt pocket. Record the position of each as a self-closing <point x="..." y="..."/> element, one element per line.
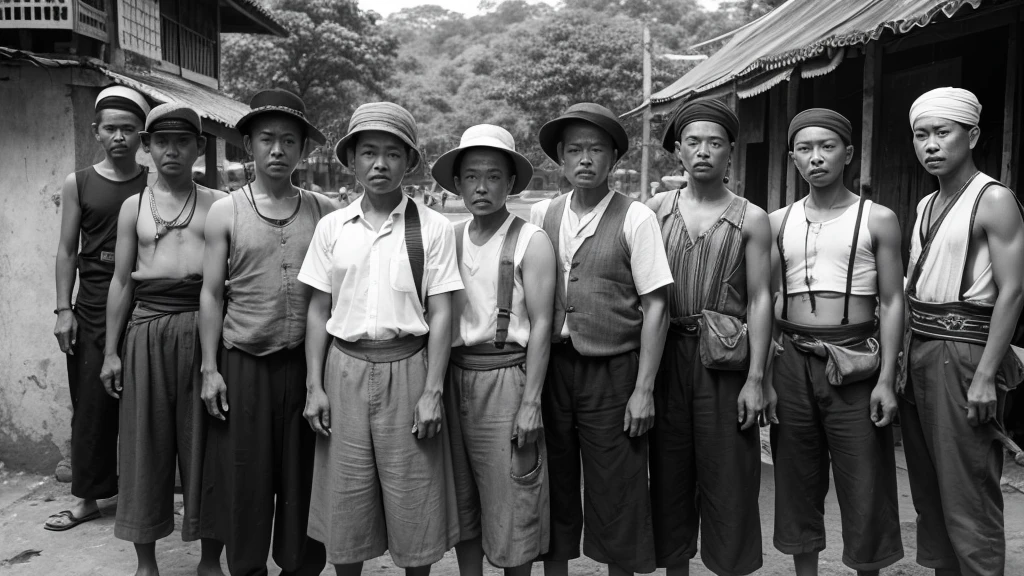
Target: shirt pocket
<point x="401" y="274"/>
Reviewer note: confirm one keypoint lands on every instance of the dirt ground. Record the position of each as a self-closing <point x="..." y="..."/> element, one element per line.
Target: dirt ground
<point x="91" y="549"/>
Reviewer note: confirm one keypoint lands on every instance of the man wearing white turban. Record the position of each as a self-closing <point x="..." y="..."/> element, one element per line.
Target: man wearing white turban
<point x="964" y="293"/>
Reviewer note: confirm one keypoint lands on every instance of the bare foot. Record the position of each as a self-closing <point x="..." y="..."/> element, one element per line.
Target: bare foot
<point x="209" y="569"/>
<point x="83" y="508"/>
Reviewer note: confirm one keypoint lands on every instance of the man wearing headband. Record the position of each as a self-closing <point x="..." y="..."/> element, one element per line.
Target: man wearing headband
<point x="964" y="291"/>
<point x="501" y="336"/>
<point x="90" y="201"/>
<point x="836" y="260"/>
<point x="258" y="471"/>
<point x="377" y="345"/>
<point x="608" y="334"/>
<point x="705" y="445"/>
<point x="157" y="276"/>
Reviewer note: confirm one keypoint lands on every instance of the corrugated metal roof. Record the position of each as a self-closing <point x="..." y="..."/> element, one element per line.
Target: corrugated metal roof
<point x="798" y="31"/>
<point x="256" y="12"/>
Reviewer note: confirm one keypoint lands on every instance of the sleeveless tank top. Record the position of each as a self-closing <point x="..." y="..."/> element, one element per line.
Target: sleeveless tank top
<point x="818" y="253"/>
<point x="265" y="303"/>
<point x="709" y="272"/>
<point x="100" y="200"/>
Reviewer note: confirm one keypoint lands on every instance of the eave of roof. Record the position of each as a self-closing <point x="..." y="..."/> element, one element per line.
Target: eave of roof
<point x="249" y="16"/>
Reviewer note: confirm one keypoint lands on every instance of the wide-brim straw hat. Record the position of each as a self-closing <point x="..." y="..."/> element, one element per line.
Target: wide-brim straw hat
<point x="380" y="117"/>
<point x="280" y="102"/>
<point x="483" y="136"/>
<point x="551" y="133"/>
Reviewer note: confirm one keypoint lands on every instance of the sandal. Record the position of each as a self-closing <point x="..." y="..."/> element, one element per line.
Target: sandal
<point x="56" y="523"/>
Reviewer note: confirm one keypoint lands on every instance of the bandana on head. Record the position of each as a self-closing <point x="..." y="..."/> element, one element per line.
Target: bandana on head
<point x="822" y="118"/>
<point x="954" y="104"/>
<point x="704" y="109"/>
<point x="122" y="98"/>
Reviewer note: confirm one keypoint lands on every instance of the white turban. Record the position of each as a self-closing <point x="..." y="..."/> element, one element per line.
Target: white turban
<point x="954" y="104"/>
<point x="123" y="98"/>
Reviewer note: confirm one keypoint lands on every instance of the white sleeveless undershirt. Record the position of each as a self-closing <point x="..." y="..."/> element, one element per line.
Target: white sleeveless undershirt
<point x="820" y="252"/>
<point x="943" y="272"/>
<point x="475" y="309"/>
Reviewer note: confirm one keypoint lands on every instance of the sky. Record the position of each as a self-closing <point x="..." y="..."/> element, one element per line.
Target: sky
<point x="469" y="7"/>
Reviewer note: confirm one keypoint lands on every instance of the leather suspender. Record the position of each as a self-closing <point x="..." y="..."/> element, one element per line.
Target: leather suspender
<point x="506" y="275"/>
<point x="414" y="246"/>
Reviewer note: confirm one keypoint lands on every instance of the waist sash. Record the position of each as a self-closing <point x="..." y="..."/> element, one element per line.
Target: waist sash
<point x="958" y="321"/>
<point x="382" y="351"/>
<point x="850" y="351"/>
<point x="169" y="295"/>
<point x="684" y="327"/>
<point x="485" y="357"/>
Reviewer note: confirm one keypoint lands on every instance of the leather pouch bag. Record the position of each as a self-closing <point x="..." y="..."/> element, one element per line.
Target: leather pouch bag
<point x="723" y="342"/>
<point x="852" y="363"/>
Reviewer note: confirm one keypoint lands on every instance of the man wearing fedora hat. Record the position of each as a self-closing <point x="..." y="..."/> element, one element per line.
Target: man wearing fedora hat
<point x="90" y="202"/>
<point x="158" y="265"/>
<point x="501" y="335"/>
<point x="259" y="454"/>
<point x="377" y="345"/>
<point x="608" y="334"/>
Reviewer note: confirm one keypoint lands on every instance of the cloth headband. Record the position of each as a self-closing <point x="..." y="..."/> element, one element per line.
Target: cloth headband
<point x="822" y="118"/>
<point x="701" y="110"/>
<point x="954" y="104"/>
<point x="173" y="125"/>
<point x="122" y="98"/>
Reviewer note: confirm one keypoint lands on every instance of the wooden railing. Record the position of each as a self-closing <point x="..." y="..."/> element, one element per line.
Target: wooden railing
<point x="187" y="48"/>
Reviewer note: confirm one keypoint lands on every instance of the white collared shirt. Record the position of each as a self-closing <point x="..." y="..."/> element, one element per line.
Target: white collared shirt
<point x="368" y="275"/>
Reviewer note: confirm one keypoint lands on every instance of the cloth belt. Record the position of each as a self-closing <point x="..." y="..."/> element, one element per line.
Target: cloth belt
<point x="958" y="321"/>
<point x="684" y="327"/>
<point x="382" y="351"/>
<point x="485" y="357"/>
<point x="809" y="338"/>
<point x="169" y="295"/>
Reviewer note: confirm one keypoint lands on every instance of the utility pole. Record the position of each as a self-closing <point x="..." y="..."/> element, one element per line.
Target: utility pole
<point x="645" y="154"/>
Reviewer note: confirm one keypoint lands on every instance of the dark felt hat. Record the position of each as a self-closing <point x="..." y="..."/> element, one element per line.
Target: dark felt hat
<point x="551" y="133"/>
<point x="279" y="101"/>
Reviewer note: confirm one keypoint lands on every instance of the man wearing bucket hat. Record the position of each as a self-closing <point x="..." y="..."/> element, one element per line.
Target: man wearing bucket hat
<point x="608" y="334"/>
<point x="158" y="266"/>
<point x="90" y="202"/>
<point x="377" y="346"/>
<point x="501" y="336"/>
<point x="259" y="453"/>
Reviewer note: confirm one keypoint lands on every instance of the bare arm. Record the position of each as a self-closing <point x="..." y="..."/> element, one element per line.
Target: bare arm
<point x="775" y="291"/>
<point x="119" y="296"/>
<point x="1000" y="220"/>
<point x="67" y="264"/>
<point x="639" y="416"/>
<point x="885" y="232"/>
<point x="217" y="236"/>
<point x="318" y="408"/>
<point x="439" y="347"/>
<point x="757" y="254"/>
<point x="539" y="287"/>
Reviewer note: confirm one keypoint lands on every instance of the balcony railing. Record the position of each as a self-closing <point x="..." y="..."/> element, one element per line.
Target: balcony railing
<point x="88" y="17"/>
<point x="187" y="48"/>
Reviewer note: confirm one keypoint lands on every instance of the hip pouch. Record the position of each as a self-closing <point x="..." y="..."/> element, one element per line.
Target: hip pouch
<point x="723" y="341"/>
<point x="845" y="363"/>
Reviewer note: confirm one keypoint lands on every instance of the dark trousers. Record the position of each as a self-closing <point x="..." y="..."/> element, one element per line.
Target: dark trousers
<point x="258" y="471"/>
<point x="954" y="467"/>
<point x="819" y="423"/>
<point x="584" y="404"/>
<point x="705" y="472"/>
<point x="94" y="417"/>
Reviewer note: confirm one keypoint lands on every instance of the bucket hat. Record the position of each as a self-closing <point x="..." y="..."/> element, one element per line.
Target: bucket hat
<point x="280" y="101"/>
<point x="551" y="133"/>
<point x="483" y="136"/>
<point x="380" y="117"/>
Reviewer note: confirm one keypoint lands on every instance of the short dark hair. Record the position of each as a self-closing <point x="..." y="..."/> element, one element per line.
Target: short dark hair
<point x="509" y="162"/>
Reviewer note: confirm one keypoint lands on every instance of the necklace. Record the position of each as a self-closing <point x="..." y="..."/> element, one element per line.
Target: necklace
<point x="165" y="226"/>
<point x="275" y="221"/>
<point x="950" y="200"/>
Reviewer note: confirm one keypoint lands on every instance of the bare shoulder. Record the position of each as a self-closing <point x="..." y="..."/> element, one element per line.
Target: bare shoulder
<point x="221" y="214"/>
<point x="210" y="194"/>
<point x="775" y="218"/>
<point x="654" y="202"/>
<point x="882" y="216"/>
<point x="756" y="223"/>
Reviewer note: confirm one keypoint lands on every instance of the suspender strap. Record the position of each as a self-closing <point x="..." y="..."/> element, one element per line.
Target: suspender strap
<point x="414" y="246"/>
<point x="506" y="280"/>
<point x="853" y="259"/>
<point x="782" y="260"/>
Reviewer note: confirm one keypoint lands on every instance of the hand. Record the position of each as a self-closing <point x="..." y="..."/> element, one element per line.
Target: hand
<point x="883" y="404"/>
<point x="981" y="400"/>
<point x="639" y="414"/>
<point x="749" y="404"/>
<point x="214" y="389"/>
<point x="771" y="402"/>
<point x="66" y="331"/>
<point x="110" y="375"/>
<point x="318" y="410"/>
<point x="529" y="424"/>
<point x="429" y="413"/>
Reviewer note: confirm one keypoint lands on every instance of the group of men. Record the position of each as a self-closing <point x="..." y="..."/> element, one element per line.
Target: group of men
<point x="337" y="383"/>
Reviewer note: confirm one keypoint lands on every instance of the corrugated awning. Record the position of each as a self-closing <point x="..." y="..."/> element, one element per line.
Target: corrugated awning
<point x="758" y="56"/>
<point x="248" y="16"/>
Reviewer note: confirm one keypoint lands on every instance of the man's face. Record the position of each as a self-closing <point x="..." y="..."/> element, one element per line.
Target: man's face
<point x="485" y="180"/>
<point x="587" y="153"/>
<point x="820" y="155"/>
<point x="276" y="144"/>
<point x="174" y="153"/>
<point x="943" y="145"/>
<point x="704" y="150"/>
<point x="118" y="132"/>
<point x="379" y="160"/>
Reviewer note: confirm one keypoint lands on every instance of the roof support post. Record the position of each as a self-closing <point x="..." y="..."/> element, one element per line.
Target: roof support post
<point x="777" y="159"/>
<point x="870" y="112"/>
<point x="792" y="102"/>
<point x="737" y="166"/>
<point x="210" y="179"/>
<point x="645" y="143"/>
<point x="1011" y="111"/>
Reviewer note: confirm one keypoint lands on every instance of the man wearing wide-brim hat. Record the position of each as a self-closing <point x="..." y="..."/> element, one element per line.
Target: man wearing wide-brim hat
<point x="501" y="336"/>
<point x="608" y="334"/>
<point x="382" y="271"/>
<point x="258" y="470"/>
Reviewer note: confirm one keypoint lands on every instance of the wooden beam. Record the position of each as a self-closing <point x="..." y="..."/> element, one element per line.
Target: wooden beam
<point x="792" y="103"/>
<point x="776" y="147"/>
<point x="870" y="113"/>
<point x="1011" y="110"/>
<point x="736" y="164"/>
<point x="210" y="179"/>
